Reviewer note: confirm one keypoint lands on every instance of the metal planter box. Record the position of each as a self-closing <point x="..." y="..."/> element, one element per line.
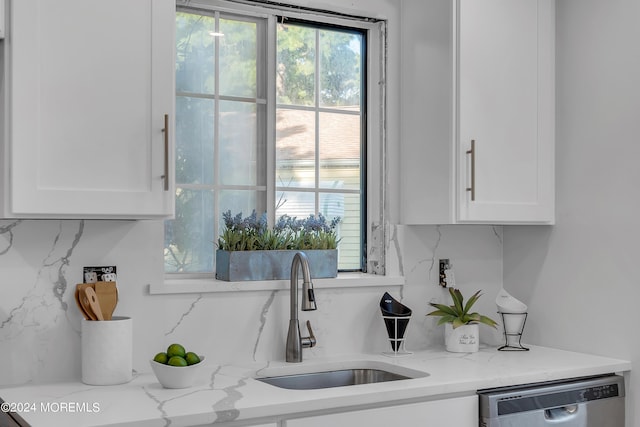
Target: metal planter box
<point x="238" y="266"/>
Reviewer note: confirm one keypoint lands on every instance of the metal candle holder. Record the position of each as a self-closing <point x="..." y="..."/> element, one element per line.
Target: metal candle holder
<point x="509" y="346"/>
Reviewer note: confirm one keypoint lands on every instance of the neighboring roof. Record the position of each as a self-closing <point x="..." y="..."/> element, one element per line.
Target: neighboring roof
<point x="339" y="140"/>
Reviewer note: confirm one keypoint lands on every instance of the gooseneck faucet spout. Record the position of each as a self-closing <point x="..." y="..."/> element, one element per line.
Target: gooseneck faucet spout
<point x="295" y="342"/>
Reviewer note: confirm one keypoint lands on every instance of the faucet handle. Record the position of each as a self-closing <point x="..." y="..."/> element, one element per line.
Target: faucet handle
<point x="309" y="341"/>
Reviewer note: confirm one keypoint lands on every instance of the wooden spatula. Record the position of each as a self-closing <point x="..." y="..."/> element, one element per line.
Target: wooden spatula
<point x="94" y="303"/>
<point x="107" y="293"/>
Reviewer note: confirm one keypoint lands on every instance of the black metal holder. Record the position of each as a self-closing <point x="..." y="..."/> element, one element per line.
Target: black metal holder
<point x="507" y="346"/>
<point x="396" y="318"/>
<point x="396" y="327"/>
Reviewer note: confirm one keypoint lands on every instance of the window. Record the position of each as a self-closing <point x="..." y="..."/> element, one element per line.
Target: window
<point x="271" y="116"/>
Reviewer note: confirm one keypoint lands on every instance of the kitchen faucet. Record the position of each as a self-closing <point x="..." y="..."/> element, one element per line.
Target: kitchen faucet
<point x="295" y="342"/>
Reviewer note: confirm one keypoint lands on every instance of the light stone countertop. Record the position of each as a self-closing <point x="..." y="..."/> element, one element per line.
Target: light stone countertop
<point x="231" y="394"/>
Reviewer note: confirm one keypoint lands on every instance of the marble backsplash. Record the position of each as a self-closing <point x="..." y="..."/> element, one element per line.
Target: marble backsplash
<point x="41" y="261"/>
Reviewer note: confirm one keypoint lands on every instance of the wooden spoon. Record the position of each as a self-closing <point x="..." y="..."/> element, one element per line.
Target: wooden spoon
<point x="84" y="301"/>
<point x="79" y="304"/>
<point x="94" y="303"/>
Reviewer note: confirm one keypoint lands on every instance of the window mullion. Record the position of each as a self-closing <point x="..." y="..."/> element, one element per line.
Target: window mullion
<point x="271" y="55"/>
<point x="216" y="125"/>
<point x="317" y="124"/>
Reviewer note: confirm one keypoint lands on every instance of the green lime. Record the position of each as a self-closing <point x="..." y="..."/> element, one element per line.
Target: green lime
<point x="177" y="361"/>
<point x="161" y="358"/>
<point x="191" y="358"/>
<point x="175" y="350"/>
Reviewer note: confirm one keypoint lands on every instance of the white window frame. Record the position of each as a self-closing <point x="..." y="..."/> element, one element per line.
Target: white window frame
<point x="376" y="169"/>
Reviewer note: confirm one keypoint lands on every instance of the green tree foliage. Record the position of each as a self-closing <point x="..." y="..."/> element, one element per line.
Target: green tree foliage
<point x="238" y="58"/>
<point x="340" y="66"/>
<point x="296" y="65"/>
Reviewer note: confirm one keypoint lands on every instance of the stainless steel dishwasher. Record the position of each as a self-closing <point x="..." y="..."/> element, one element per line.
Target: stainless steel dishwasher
<point x="585" y="402"/>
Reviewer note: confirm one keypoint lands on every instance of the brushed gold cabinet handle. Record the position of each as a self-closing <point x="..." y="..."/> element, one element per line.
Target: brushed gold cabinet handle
<point x="472" y="189"/>
<point x="166" y="152"/>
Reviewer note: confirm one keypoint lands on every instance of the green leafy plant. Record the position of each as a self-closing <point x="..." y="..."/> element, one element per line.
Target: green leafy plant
<point x="253" y="233"/>
<point x="458" y="313"/>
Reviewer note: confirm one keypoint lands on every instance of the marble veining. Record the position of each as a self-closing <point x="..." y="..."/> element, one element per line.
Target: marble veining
<point x="225" y="409"/>
<point x="8" y="229"/>
<point x="430" y="259"/>
<point x="184" y="315"/>
<point x="36" y="308"/>
<point x="160" y="406"/>
<point x="497" y="234"/>
<point x="231" y="393"/>
<point x="39" y="323"/>
<point x="60" y="283"/>
<point x="263" y="321"/>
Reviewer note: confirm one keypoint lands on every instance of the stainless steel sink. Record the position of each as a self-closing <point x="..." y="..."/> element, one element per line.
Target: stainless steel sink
<point x="348" y="376"/>
<point x="329" y="379"/>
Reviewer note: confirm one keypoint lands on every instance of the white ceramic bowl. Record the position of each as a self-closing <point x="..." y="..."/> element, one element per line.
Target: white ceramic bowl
<point x="178" y="376"/>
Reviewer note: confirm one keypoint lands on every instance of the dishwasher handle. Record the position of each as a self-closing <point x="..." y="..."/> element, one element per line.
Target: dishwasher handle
<point x="561" y="414"/>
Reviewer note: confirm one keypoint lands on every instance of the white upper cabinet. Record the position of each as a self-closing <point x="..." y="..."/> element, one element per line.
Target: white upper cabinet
<point x="506" y="106"/>
<point x="485" y="154"/>
<point x="2" y="21"/>
<point x="88" y="87"/>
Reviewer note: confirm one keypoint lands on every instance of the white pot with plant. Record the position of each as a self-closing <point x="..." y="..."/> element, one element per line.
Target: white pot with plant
<point x="462" y="333"/>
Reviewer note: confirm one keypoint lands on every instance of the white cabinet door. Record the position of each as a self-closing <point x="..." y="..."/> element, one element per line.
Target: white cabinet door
<point x="427" y="101"/>
<point x="2" y="22"/>
<point x="89" y="85"/>
<point x="458" y="412"/>
<point x="242" y="424"/>
<point x="482" y="71"/>
<point x="506" y="107"/>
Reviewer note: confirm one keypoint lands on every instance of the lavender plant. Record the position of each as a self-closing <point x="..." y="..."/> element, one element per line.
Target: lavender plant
<point x="252" y="233"/>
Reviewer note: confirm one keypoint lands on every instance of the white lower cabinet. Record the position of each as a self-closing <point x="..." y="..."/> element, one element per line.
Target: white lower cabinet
<point x="244" y="425"/>
<point x="458" y="412"/>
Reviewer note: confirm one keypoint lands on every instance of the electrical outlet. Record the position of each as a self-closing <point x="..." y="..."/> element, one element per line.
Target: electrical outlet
<point x="443" y="265"/>
<point x="102" y="274"/>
